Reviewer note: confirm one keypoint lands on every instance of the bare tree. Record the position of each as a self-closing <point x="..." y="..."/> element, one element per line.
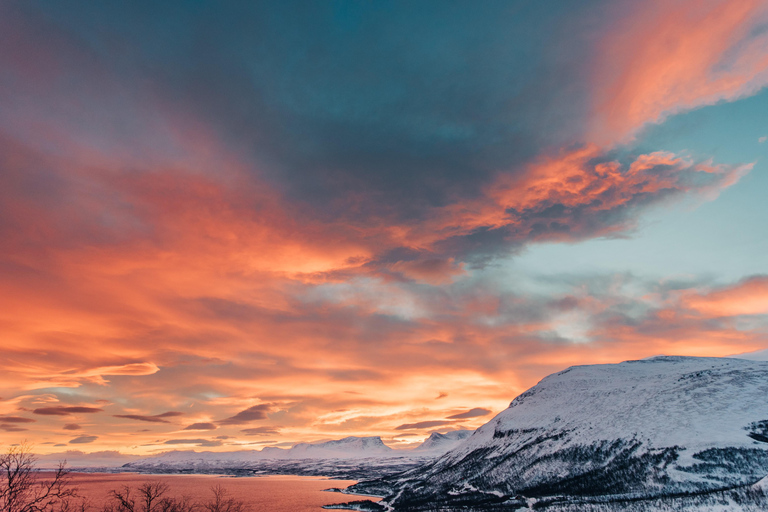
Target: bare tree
<point x="148" y="497"/>
<point x="223" y="502"/>
<point x="23" y="488"/>
<point x="153" y="497"/>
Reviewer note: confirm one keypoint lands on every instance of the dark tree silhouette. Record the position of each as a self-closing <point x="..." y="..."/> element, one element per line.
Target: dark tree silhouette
<point x="154" y="497"/>
<point x="23" y="488"/>
<point x="223" y="502"/>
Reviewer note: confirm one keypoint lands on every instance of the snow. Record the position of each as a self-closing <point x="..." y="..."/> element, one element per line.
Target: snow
<point x="758" y="355"/>
<point x="637" y="429"/>
<point x="664" y="401"/>
<point x="354" y="457"/>
<point x="347" y="448"/>
<point x="441" y="443"/>
<point x="341" y="448"/>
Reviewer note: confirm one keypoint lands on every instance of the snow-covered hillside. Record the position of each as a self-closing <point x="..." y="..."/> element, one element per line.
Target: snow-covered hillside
<point x="655" y="427"/>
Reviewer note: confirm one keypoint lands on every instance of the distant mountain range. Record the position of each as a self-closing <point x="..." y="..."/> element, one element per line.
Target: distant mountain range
<point x="348" y="448"/>
<point x="667" y="433"/>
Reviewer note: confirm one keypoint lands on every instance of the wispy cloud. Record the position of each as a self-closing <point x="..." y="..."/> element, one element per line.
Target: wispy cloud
<point x="65" y="411"/>
<point x="157" y="418"/>
<point x="254" y="413"/>
<point x="14" y="427"/>
<point x="748" y="297"/>
<point x="261" y="431"/>
<point x="16" y="419"/>
<point x="668" y="57"/>
<point x="201" y="426"/>
<point x="423" y="425"/>
<point x="472" y="413"/>
<point x="196" y="442"/>
<point x="83" y="440"/>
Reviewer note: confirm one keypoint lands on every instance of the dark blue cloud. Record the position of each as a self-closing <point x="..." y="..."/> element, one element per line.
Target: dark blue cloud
<point x="371" y="115"/>
<point x="409" y="104"/>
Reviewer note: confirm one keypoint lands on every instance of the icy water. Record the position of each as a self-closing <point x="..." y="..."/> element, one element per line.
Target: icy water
<point x="261" y="494"/>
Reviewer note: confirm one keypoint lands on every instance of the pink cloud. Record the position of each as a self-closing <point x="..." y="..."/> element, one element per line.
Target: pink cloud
<point x="666" y="57"/>
<point x="574" y="194"/>
<point x="749" y="297"/>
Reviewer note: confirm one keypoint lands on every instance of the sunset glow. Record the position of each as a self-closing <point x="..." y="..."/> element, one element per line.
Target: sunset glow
<point x="235" y="227"/>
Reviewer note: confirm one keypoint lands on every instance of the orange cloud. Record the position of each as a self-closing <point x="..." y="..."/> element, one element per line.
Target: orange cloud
<point x="181" y="280"/>
<point x="668" y="56"/>
<point x="749" y="297"/>
<point x="174" y="289"/>
<point x="576" y="194"/>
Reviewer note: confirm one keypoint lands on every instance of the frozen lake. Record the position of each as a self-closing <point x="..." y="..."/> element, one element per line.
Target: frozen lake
<point x="268" y="493"/>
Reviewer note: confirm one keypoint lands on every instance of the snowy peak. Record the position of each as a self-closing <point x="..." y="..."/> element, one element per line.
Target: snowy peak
<point x="437" y="442"/>
<point x="341" y="448"/>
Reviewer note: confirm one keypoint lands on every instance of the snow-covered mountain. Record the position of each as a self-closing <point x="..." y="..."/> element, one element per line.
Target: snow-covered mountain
<point x="340" y="449"/>
<point x="351" y="458"/>
<point x="758" y="355"/>
<point x="370" y="451"/>
<point x="349" y="447"/>
<point x="441" y="443"/>
<point x="652" y="428"/>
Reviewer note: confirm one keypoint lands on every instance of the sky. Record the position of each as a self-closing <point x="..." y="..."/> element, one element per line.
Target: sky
<point x="226" y="227"/>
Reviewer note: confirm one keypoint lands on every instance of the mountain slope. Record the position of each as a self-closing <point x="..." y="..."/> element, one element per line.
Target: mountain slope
<point x="656" y="427"/>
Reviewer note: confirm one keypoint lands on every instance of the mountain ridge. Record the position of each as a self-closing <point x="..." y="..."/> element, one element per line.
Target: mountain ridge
<point x="351" y="447"/>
